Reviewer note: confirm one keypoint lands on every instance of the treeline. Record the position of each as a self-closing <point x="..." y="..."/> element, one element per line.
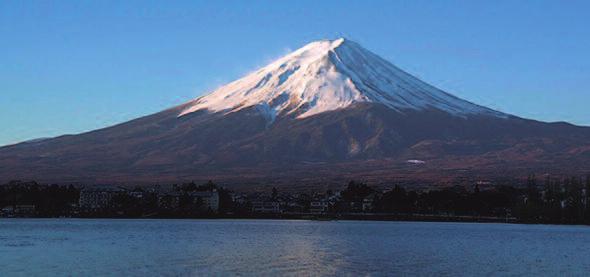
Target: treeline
<point x="555" y="201"/>
<point x="60" y="200"/>
<point x="49" y="200"/>
<point x="458" y="200"/>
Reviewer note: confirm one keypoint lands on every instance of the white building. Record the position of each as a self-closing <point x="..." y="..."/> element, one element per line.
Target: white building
<point x="209" y="199"/>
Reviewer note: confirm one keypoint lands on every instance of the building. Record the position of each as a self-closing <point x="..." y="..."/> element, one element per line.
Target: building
<point x="268" y="207"/>
<point x="209" y="199"/>
<point x="18" y="211"/>
<point x="239" y="199"/>
<point x="368" y="203"/>
<point x="98" y="198"/>
<point x="169" y="201"/>
<point x="319" y="206"/>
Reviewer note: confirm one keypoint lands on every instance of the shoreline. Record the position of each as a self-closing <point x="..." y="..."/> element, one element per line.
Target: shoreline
<point x="317" y="217"/>
<point x="426" y="219"/>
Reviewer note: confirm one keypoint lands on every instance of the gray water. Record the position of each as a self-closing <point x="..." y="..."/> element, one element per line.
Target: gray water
<point x="77" y="247"/>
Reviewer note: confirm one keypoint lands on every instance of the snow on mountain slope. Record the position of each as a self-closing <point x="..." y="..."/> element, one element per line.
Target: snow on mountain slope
<point x="329" y="75"/>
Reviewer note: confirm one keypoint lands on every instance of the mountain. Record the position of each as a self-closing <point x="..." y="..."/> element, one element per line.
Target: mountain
<point x="329" y="75"/>
<point x="328" y="112"/>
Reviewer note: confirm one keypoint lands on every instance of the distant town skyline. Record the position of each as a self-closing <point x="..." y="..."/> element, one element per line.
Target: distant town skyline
<point x="70" y="67"/>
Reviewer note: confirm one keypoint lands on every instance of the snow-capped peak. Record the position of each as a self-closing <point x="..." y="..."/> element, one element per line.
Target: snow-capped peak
<point x="328" y="75"/>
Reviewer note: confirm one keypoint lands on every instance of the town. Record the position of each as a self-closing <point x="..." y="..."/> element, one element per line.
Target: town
<point x="557" y="201"/>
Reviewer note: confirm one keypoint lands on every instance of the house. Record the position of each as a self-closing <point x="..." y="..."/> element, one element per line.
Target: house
<point x="319" y="206"/>
<point x="169" y="201"/>
<point x="368" y="203"/>
<point x="137" y="194"/>
<point x="266" y="206"/>
<point x="207" y="200"/>
<point x="98" y="198"/>
<point x="18" y="211"/>
<point x="239" y="199"/>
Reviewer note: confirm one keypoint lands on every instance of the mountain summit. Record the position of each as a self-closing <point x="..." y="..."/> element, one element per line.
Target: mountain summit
<point x="328" y="75"/>
<point x="330" y="111"/>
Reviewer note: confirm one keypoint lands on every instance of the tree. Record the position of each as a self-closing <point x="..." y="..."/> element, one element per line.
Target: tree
<point x="395" y="200"/>
<point x="226" y="203"/>
<point x="209" y="186"/>
<point x="531" y="210"/>
<point x="355" y="192"/>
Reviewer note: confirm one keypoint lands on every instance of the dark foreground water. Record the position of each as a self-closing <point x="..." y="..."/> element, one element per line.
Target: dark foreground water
<point x="272" y="247"/>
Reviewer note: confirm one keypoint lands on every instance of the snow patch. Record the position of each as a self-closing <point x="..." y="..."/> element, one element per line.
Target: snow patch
<point x="328" y="75"/>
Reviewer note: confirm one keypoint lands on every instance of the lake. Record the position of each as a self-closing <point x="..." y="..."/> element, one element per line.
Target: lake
<point x="88" y="247"/>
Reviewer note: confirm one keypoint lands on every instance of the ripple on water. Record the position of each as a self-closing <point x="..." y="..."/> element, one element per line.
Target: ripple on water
<point x="259" y="247"/>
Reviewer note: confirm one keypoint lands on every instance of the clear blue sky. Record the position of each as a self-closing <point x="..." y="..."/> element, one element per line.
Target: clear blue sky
<point x="74" y="66"/>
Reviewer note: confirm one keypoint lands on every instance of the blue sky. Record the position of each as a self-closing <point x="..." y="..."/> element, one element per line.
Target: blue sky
<point x="74" y="66"/>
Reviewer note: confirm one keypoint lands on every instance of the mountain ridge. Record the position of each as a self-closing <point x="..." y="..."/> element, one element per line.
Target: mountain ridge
<point x="348" y="114"/>
<point x="327" y="75"/>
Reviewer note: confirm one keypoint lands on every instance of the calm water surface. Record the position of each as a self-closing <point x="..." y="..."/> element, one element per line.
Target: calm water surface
<point x="271" y="247"/>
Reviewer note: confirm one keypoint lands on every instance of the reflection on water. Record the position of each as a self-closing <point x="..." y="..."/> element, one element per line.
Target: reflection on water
<point x="272" y="247"/>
